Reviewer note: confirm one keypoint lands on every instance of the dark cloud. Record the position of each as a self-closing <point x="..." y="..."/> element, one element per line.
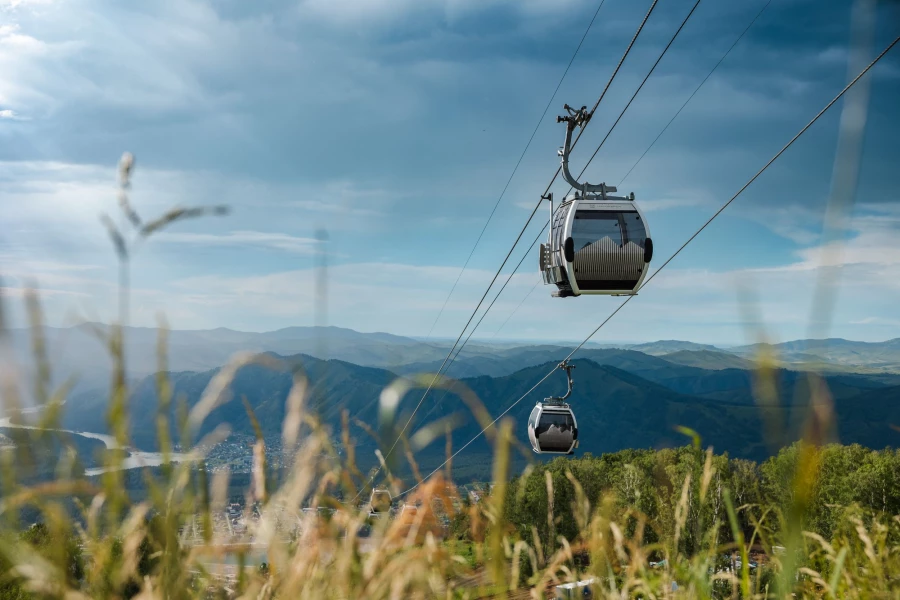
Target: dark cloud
<point x="272" y="105"/>
<point x="427" y="93"/>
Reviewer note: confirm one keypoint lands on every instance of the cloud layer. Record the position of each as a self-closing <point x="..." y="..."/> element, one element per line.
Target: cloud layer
<point x="395" y="125"/>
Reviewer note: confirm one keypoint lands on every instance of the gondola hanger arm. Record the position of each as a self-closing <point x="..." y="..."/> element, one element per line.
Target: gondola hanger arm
<point x="567" y="367"/>
<point x="579" y="118"/>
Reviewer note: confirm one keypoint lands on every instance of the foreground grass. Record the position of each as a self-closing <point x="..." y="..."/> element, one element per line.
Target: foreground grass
<point x="673" y="524"/>
<point x="815" y="521"/>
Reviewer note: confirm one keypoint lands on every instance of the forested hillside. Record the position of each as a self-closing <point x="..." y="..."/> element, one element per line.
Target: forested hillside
<point x="622" y="399"/>
<point x="651" y="484"/>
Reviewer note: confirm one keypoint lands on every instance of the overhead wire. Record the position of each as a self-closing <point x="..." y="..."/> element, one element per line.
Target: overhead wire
<point x="639" y="88"/>
<point x="508" y="279"/>
<point x="515" y="243"/>
<point x="516" y="168"/>
<point x="686" y="102"/>
<point x="621" y="114"/>
<point x="602" y="94"/>
<point x="609" y="82"/>
<point x="449" y="354"/>
<point x="697" y="89"/>
<point x="484" y="314"/>
<point x="675" y="254"/>
<point x="516" y="309"/>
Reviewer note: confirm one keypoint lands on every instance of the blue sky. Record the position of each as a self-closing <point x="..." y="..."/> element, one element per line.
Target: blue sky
<point x="395" y="125"/>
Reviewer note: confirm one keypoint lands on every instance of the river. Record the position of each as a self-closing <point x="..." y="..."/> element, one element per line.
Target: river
<point x="135" y="458"/>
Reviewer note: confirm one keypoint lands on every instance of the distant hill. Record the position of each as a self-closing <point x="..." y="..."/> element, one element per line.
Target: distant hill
<point x="717" y="380"/>
<point x="505" y="362"/>
<point x="870" y="419"/>
<point x="873" y="356"/>
<point x="708" y="359"/>
<point x="616" y="408"/>
<point x="333" y="385"/>
<point x="76" y="351"/>
<point x="736" y="386"/>
<point x="663" y="347"/>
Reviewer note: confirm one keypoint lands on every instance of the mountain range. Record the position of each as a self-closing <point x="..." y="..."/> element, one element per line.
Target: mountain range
<point x="624" y="397"/>
<point x="80" y="351"/>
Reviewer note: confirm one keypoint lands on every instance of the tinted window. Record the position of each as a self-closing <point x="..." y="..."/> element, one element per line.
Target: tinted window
<point x="562" y="421"/>
<point x="592" y="226"/>
<point x="634" y="228"/>
<point x="555" y="432"/>
<point x="559" y="222"/>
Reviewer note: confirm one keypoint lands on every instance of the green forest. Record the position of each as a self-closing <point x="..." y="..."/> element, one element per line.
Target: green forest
<point x="650" y="483"/>
<point x="686" y="506"/>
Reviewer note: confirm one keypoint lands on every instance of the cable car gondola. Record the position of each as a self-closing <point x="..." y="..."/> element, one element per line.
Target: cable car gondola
<point x="552" y="428"/>
<point x="598" y="243"/>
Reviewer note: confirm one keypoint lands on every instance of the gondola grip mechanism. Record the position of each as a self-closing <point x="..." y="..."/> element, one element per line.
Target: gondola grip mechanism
<point x="567" y="367"/>
<point x="578" y="118"/>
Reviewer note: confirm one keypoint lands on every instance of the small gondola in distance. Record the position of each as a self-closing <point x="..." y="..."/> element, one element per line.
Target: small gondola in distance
<point x="552" y="428"/>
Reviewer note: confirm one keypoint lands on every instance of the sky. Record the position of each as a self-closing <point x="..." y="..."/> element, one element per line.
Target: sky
<point x="395" y="125"/>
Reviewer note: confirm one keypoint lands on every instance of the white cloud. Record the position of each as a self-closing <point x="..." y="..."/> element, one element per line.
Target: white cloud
<point x="352" y="12"/>
<point x="703" y="304"/>
<point x="12" y="263"/>
<point x="272" y="93"/>
<point x="279" y="241"/>
<point x="19" y="293"/>
<point x="877" y="321"/>
<point x="57" y="283"/>
<point x="688" y="303"/>
<point x="680" y="298"/>
<point x="50" y="273"/>
<point x="692" y="303"/>
<point x="11" y="4"/>
<point x="684" y="199"/>
<point x="362" y="295"/>
<point x="529" y="205"/>
<point x="20" y="43"/>
<point x="833" y="56"/>
<point x="32" y="70"/>
<point x="53" y="199"/>
<point x="875" y="245"/>
<point x="797" y="222"/>
<point x="660" y="204"/>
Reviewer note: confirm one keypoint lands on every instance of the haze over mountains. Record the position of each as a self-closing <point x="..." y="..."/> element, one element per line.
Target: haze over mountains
<point x="624" y="397"/>
<point x="78" y="351"/>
